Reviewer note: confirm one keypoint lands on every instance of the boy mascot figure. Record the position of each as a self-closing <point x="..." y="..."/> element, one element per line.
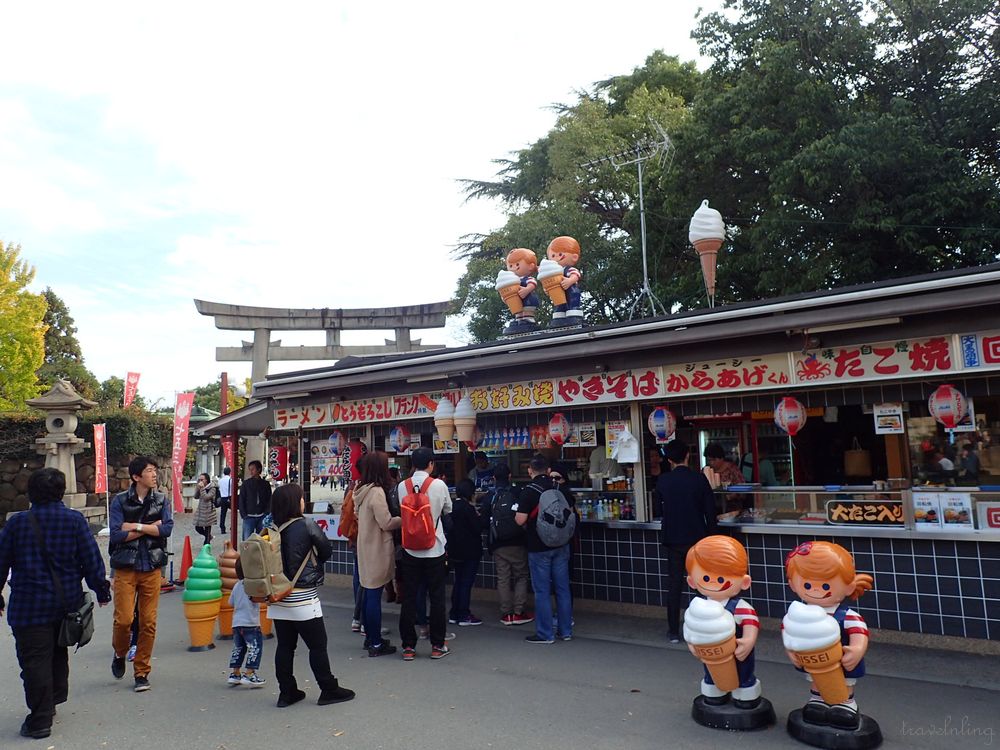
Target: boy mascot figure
<point x="721" y="629"/>
<point x="827" y="640"/>
<point x="518" y="289"/>
<point x="561" y="281"/>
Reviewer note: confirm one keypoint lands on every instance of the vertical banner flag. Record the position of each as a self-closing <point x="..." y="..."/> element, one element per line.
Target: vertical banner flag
<point x="229" y="452"/>
<point x="182" y="417"/>
<point x="277" y="462"/>
<point x="100" y="459"/>
<point x="131" y="387"/>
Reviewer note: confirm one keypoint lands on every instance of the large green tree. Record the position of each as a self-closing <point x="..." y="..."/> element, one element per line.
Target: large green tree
<point x="844" y="141"/>
<point x="22" y="330"/>
<point x="63" y="356"/>
<point x="208" y="396"/>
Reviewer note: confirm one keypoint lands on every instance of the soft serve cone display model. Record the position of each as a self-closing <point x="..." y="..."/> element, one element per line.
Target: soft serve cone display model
<point x="711" y="631"/>
<point x="509" y="286"/>
<point x="814" y="636"/>
<point x="202" y="599"/>
<point x="444" y="418"/>
<point x="550" y="274"/>
<point x="707" y="232"/>
<point x="465" y="419"/>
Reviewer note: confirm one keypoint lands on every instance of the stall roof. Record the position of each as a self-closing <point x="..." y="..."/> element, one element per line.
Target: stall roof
<point x="250" y="420"/>
<point x="850" y="307"/>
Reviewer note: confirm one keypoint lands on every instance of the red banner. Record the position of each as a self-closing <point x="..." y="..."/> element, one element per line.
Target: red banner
<point x="182" y="417"/>
<point x="229" y="452"/>
<point x="100" y="459"/>
<point x="277" y="462"/>
<point x="131" y="387"/>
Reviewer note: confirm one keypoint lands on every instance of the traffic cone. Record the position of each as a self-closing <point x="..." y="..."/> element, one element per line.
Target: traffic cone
<point x="186" y="560"/>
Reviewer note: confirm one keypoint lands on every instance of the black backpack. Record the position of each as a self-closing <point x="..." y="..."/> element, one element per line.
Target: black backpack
<point x="503" y="527"/>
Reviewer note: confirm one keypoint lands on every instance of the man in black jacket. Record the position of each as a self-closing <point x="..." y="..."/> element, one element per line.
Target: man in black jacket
<point x="254" y="500"/>
<point x="688" y="515"/>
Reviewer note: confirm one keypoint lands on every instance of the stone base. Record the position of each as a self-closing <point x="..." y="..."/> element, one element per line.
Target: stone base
<point x="866" y="736"/>
<point x="76" y="501"/>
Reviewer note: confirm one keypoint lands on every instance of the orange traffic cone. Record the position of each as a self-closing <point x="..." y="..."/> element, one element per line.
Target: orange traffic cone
<point x="186" y="560"/>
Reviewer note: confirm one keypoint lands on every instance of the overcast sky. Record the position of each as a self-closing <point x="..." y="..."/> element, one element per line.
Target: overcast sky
<point x="295" y="154"/>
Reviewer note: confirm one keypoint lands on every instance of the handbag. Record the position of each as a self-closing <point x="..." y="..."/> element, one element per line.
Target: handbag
<point x="857" y="461"/>
<point x="77" y="626"/>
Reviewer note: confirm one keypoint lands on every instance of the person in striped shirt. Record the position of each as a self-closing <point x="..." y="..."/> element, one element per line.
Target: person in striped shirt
<point x="718" y="569"/>
<point x="822" y="573"/>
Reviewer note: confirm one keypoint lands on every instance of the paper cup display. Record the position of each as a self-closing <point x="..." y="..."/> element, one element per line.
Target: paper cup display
<point x="550" y="274"/>
<point x="711" y="631"/>
<point x="814" y="636"/>
<point x="509" y="286"/>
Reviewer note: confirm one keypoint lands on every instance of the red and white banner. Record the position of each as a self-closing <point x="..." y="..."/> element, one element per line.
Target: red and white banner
<point x="182" y="417"/>
<point x="100" y="459"/>
<point x="131" y="387"/>
<point x="277" y="462"/>
<point x="229" y="452"/>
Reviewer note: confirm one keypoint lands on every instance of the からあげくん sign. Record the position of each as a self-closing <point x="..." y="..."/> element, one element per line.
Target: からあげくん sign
<point x="865" y="512"/>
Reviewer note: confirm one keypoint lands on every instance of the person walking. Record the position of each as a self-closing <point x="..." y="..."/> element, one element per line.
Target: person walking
<point x="225" y="497"/>
<point x="465" y="550"/>
<point x="46" y="544"/>
<point x="140" y="520"/>
<point x="248" y="641"/>
<point x="254" y="501"/>
<point x="300" y="614"/>
<point x="688" y="516"/>
<point x="376" y="552"/>
<point x="206" y="493"/>
<point x="505" y="541"/>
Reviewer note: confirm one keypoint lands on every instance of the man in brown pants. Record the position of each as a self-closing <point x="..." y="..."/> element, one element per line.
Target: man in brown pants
<point x="506" y="544"/>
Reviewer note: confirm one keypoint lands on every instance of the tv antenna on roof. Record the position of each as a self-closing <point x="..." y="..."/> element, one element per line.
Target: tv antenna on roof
<point x="640" y="152"/>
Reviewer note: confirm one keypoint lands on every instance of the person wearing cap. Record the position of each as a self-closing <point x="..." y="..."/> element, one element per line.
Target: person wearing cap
<point x="481" y="474"/>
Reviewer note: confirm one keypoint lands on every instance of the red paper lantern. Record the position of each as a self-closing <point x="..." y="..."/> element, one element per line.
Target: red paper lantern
<point x="662" y="423"/>
<point x="790" y="415"/>
<point x="399" y="439"/>
<point x="352" y="454"/>
<point x="559" y="428"/>
<point x="948" y="406"/>
<point x="477" y="438"/>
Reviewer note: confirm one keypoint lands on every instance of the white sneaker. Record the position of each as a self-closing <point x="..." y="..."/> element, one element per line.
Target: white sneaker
<point x="253" y="680"/>
<point x="234" y="679"/>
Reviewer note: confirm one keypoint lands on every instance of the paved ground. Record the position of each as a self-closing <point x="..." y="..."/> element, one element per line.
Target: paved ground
<point x="617" y="685"/>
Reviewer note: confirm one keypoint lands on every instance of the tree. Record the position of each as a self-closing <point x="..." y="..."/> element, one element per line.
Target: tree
<point x="208" y="397"/>
<point x="22" y="331"/>
<point x="63" y="356"/>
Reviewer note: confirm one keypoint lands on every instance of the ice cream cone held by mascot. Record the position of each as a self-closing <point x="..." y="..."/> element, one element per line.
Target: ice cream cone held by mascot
<point x="721" y="629"/>
<point x="827" y="640"/>
<point x="518" y="289"/>
<point x="560" y="279"/>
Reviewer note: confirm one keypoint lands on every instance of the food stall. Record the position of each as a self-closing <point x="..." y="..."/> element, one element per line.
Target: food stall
<point x="870" y="463"/>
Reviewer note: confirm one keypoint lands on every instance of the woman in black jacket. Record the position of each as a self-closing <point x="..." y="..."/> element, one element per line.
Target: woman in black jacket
<point x="305" y="546"/>
<point x="465" y="550"/>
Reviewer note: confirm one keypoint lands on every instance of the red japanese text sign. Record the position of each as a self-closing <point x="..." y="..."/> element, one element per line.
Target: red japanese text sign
<point x="728" y="374"/>
<point x="182" y="418"/>
<point x="100" y="459"/>
<point x="314" y="415"/>
<point x="131" y="388"/>
<point x="862" y="362"/>
<point x="573" y="390"/>
<point x="277" y="462"/>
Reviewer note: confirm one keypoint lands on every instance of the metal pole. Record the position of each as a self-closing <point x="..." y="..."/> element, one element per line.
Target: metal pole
<point x="647" y="290"/>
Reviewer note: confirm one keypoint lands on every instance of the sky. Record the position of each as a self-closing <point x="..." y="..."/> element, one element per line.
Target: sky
<point x="302" y="154"/>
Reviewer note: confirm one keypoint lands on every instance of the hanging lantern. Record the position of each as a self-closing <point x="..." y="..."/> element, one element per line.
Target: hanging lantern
<point x="399" y="439"/>
<point x="444" y="418"/>
<point x="464" y="418"/>
<point x="476" y="440"/>
<point x="662" y="423"/>
<point x="337" y="443"/>
<point x="790" y="415"/>
<point x="559" y="428"/>
<point x="352" y="454"/>
<point x="948" y="406"/>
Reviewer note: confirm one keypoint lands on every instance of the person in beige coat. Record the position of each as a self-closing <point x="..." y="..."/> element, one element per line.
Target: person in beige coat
<point x="376" y="553"/>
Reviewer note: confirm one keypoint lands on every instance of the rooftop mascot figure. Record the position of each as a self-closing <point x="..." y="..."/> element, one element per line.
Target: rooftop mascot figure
<point x="518" y="289"/>
<point x="561" y="280"/>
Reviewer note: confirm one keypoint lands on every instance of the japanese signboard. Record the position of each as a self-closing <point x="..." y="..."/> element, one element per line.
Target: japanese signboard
<point x="131" y="388"/>
<point x="864" y="512"/>
<point x="729" y="374"/>
<point x="611" y="431"/>
<point x="576" y="390"/>
<point x="927" y="510"/>
<point x="182" y="418"/>
<point x="277" y="462"/>
<point x="866" y="362"/>
<point x="989" y="515"/>
<point x="329" y="523"/>
<point x="888" y="419"/>
<point x="980" y="351"/>
<point x="294" y="417"/>
<point x="100" y="459"/>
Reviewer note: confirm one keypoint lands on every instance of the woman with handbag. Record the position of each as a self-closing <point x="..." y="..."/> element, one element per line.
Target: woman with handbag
<point x="206" y="493"/>
<point x="305" y="546"/>
<point x="376" y="552"/>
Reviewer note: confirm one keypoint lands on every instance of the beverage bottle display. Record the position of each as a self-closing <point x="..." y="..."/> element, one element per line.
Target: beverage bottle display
<point x="616" y="509"/>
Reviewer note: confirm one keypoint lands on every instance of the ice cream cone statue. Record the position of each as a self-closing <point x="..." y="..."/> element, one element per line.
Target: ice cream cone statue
<point x="721" y="629"/>
<point x="202" y="599"/>
<point x="561" y="281"/>
<point x="827" y="640"/>
<point x="707" y="233"/>
<point x="516" y="286"/>
<point x="465" y="418"/>
<point x="444" y="418"/>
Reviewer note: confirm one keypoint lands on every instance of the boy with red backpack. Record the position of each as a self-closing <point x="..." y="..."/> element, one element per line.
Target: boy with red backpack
<point x="423" y="500"/>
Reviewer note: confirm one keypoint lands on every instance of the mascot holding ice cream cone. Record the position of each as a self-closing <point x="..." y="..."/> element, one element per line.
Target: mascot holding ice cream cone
<point x="827" y="640"/>
<point x="561" y="281"/>
<point x="721" y="629"/>
<point x="517" y="287"/>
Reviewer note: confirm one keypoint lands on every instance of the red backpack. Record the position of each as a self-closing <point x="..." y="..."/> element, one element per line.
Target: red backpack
<point x="419" y="529"/>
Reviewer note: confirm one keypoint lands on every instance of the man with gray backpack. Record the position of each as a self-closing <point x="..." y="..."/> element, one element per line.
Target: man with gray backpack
<point x="549" y="522"/>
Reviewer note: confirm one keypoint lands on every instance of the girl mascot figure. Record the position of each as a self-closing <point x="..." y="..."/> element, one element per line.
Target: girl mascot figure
<point x="721" y="628"/>
<point x="827" y="640"/>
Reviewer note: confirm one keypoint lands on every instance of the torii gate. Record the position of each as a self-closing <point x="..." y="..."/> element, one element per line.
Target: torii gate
<point x="263" y="320"/>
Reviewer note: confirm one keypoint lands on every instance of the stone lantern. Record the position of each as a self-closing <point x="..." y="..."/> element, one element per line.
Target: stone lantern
<point x="62" y="406"/>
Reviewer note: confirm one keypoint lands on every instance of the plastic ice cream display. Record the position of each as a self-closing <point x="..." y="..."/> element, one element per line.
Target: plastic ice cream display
<point x="202" y="599"/>
<point x="814" y="636"/>
<point x="550" y="274"/>
<point x="444" y="418"/>
<point x="707" y="232"/>
<point x="509" y="285"/>
<point x="465" y="419"/>
<point x="711" y="631"/>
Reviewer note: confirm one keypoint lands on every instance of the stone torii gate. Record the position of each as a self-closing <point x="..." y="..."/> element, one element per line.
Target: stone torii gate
<point x="263" y="320"/>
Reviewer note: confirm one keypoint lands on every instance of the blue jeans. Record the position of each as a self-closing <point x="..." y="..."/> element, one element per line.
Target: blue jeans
<point x="371" y="615"/>
<point x="461" y="592"/>
<point x="246" y="642"/>
<point x="550" y="573"/>
<point x="252" y="524"/>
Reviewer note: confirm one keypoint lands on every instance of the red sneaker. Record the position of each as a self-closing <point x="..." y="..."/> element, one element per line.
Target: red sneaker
<point x="524" y="618"/>
<point x="508" y="620"/>
<point x="409" y="654"/>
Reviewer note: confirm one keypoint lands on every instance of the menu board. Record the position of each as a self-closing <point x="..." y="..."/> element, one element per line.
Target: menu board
<point x="445" y="446"/>
<point x="927" y="510"/>
<point x="611" y="430"/>
<point x="956" y="511"/>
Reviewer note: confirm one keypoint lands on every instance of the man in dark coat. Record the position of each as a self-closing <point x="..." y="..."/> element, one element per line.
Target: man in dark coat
<point x="688" y="505"/>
